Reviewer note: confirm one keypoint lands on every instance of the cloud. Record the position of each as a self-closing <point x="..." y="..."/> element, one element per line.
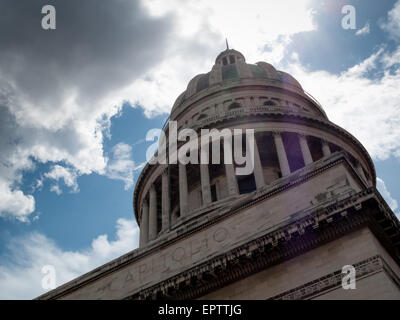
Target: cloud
<point x="363" y="31"/>
<point x="59" y="88"/>
<point x="393" y="204"/>
<point x="392" y="24"/>
<point x="21" y="276"/>
<point x="363" y="100"/>
<point x="68" y="175"/>
<point x="121" y="166"/>
<point x="200" y="30"/>
<point x="13" y="203"/>
<point x="56" y="188"/>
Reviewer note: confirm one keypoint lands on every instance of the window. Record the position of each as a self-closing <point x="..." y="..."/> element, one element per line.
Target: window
<point x="224" y="61"/>
<point x="202" y="116"/>
<point x="269" y="103"/>
<point x="231" y="59"/>
<point x="234" y="105"/>
<point x="246" y="184"/>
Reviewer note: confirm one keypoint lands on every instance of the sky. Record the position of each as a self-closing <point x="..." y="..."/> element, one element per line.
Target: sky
<point x="77" y="101"/>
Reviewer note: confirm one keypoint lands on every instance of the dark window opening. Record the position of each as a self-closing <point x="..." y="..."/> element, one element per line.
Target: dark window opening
<point x="202" y="116"/>
<point x="234" y="105"/>
<point x="293" y="151"/>
<point x="213" y="193"/>
<point x="231" y="59"/>
<point x="315" y="146"/>
<point x="334" y="148"/>
<point x="246" y="184"/>
<point x="269" y="103"/>
<point x="224" y="61"/>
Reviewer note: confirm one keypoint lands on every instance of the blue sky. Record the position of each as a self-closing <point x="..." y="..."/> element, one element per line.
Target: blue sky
<point x="73" y="142"/>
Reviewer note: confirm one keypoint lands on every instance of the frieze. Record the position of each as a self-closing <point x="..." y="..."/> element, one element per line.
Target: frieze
<point x="333" y="280"/>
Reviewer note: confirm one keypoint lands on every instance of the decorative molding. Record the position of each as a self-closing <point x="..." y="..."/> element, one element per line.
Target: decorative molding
<point x="292" y="239"/>
<point x="333" y="280"/>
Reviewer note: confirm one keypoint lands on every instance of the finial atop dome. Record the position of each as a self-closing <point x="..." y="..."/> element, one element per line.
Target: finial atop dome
<point x="227" y="45"/>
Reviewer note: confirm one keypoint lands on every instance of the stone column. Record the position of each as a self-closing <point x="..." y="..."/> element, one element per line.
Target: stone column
<point x="258" y="170"/>
<point x="153" y="213"/>
<point x="205" y="184"/>
<point x="174" y="218"/>
<point x="230" y="174"/>
<point x="282" y="157"/>
<point x="144" y="225"/>
<point x="183" y="189"/>
<point x="165" y="200"/>
<point x="326" y="151"/>
<point x="305" y="150"/>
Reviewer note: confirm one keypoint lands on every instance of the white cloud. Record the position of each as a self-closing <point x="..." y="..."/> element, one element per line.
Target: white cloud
<point x="365" y="30"/>
<point x="14" y="203"/>
<point x="59" y="90"/>
<point x="67" y="174"/>
<point x="381" y="186"/>
<point x="200" y="30"/>
<point x="392" y="24"/>
<point x="366" y="107"/>
<point x="121" y="166"/>
<point x="56" y="188"/>
<point x="21" y="277"/>
<point x="190" y="35"/>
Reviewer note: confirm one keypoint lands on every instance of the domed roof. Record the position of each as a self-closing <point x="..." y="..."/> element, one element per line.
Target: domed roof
<point x="230" y="65"/>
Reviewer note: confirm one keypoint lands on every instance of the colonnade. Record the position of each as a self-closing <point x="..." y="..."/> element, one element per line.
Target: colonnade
<point x="149" y="227"/>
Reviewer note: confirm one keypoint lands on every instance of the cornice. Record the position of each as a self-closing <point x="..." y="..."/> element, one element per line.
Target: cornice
<point x="301" y="234"/>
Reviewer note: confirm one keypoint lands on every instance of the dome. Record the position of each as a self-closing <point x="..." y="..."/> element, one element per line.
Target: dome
<point x="230" y="66"/>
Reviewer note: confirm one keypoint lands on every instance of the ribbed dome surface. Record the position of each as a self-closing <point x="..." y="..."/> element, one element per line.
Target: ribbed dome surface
<point x="231" y="66"/>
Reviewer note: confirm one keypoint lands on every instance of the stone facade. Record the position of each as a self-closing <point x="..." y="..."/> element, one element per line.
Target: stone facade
<point x="283" y="232"/>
